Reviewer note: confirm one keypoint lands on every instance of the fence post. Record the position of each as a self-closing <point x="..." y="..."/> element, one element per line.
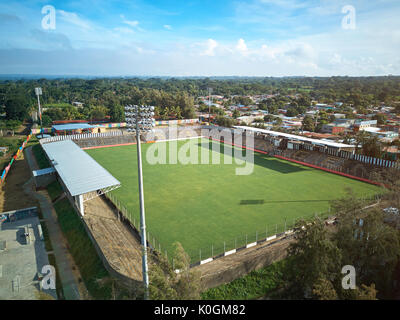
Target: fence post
<point x="246" y="240"/>
<point x="200" y="254"/>
<point x="224" y="246"/>
<point x="256" y="235"/>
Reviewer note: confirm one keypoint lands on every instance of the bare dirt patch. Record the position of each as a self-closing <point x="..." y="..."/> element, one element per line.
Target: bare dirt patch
<point x="120" y="246"/>
<point x="12" y="195"/>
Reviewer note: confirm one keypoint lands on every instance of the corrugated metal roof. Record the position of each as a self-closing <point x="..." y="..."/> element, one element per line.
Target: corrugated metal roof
<point x="79" y="171"/>
<point x="72" y="126"/>
<point x="300" y="138"/>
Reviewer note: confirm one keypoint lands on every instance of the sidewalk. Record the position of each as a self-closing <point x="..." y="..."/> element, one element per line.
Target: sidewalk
<point x="73" y="288"/>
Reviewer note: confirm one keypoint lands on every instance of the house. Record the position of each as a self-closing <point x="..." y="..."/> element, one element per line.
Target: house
<point x="333" y="128"/>
<point x="77" y="104"/>
<point x="364" y="124"/>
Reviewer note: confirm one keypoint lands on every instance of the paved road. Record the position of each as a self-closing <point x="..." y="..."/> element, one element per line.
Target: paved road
<point x="69" y="272"/>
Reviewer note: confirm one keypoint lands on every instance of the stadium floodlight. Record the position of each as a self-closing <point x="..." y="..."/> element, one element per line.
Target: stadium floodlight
<point x="140" y="119"/>
<point x="210" y="90"/>
<point x="38" y="92"/>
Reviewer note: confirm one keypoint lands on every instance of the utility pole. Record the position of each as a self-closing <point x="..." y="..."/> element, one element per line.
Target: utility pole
<point x="209" y="105"/>
<point x="38" y="92"/>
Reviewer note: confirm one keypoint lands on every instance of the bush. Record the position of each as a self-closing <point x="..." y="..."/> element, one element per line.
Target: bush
<point x="40" y="156"/>
<point x="55" y="190"/>
<point x="252" y="286"/>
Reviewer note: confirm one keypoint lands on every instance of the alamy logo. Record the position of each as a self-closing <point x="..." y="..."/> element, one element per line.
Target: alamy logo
<point x="49" y="280"/>
<point x="349" y="20"/>
<point x="195" y="152"/>
<point x="49" y="20"/>
<point x="349" y="280"/>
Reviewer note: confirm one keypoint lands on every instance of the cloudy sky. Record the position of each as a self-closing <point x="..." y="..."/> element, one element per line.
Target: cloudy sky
<point x="200" y="38"/>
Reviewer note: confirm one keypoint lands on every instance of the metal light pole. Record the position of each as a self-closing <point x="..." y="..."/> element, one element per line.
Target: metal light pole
<point x="141" y="119"/>
<point x="38" y="92"/>
<point x="209" y="105"/>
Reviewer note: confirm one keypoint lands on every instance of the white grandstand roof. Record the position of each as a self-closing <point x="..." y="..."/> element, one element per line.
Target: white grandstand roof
<point x="300" y="138"/>
<point x="79" y="171"/>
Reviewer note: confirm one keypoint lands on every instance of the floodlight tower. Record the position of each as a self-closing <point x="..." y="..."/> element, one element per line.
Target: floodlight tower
<point x="141" y="119"/>
<point x="210" y="90"/>
<point x="38" y="92"/>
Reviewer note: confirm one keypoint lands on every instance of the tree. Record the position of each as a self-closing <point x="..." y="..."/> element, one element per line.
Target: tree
<point x="381" y="118"/>
<point x="46" y="120"/>
<point x="361" y="239"/>
<point x="324" y="290"/>
<point x="167" y="284"/>
<point x="16" y="108"/>
<point x="98" y="112"/>
<point x="11" y="125"/>
<point x="367" y="243"/>
<point x="313" y="256"/>
<point x="224" y="122"/>
<point x="308" y="123"/>
<point x="372" y="147"/>
<point x="235" y="114"/>
<point x="117" y="113"/>
<point x="278" y="121"/>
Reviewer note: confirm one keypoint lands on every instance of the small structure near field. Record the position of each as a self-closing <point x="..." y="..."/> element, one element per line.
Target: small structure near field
<point x="72" y="128"/>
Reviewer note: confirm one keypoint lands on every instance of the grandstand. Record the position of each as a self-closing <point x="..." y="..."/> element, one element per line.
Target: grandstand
<point x="81" y="176"/>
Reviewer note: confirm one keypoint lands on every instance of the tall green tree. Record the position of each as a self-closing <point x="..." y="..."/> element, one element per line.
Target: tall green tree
<point x="167" y="284"/>
<point x="17" y="108"/>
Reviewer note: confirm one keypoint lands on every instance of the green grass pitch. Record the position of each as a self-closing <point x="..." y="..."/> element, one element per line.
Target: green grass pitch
<point x="204" y="205"/>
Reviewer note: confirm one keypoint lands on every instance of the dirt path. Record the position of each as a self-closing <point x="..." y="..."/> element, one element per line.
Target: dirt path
<point x="118" y="243"/>
<point x="31" y="159"/>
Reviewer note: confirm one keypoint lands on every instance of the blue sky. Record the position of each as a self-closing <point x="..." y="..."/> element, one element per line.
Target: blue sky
<point x="202" y="38"/>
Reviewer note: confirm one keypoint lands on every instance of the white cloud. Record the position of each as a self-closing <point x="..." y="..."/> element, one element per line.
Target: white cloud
<point x="132" y="23"/>
<point x="242" y="47"/>
<point x="167" y="26"/>
<point x="72" y="17"/>
<point x="124" y="30"/>
<point x="210" y="45"/>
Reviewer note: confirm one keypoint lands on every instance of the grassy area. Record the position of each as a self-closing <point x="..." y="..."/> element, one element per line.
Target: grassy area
<point x="13" y="143"/>
<point x="254" y="285"/>
<point x="209" y="207"/>
<point x="55" y="190"/>
<point x="47" y="242"/>
<point x="40" y="156"/>
<point x="82" y="250"/>
<point x="59" y="286"/>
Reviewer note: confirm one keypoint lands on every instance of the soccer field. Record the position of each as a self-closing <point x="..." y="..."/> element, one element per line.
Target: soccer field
<point x="208" y="206"/>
